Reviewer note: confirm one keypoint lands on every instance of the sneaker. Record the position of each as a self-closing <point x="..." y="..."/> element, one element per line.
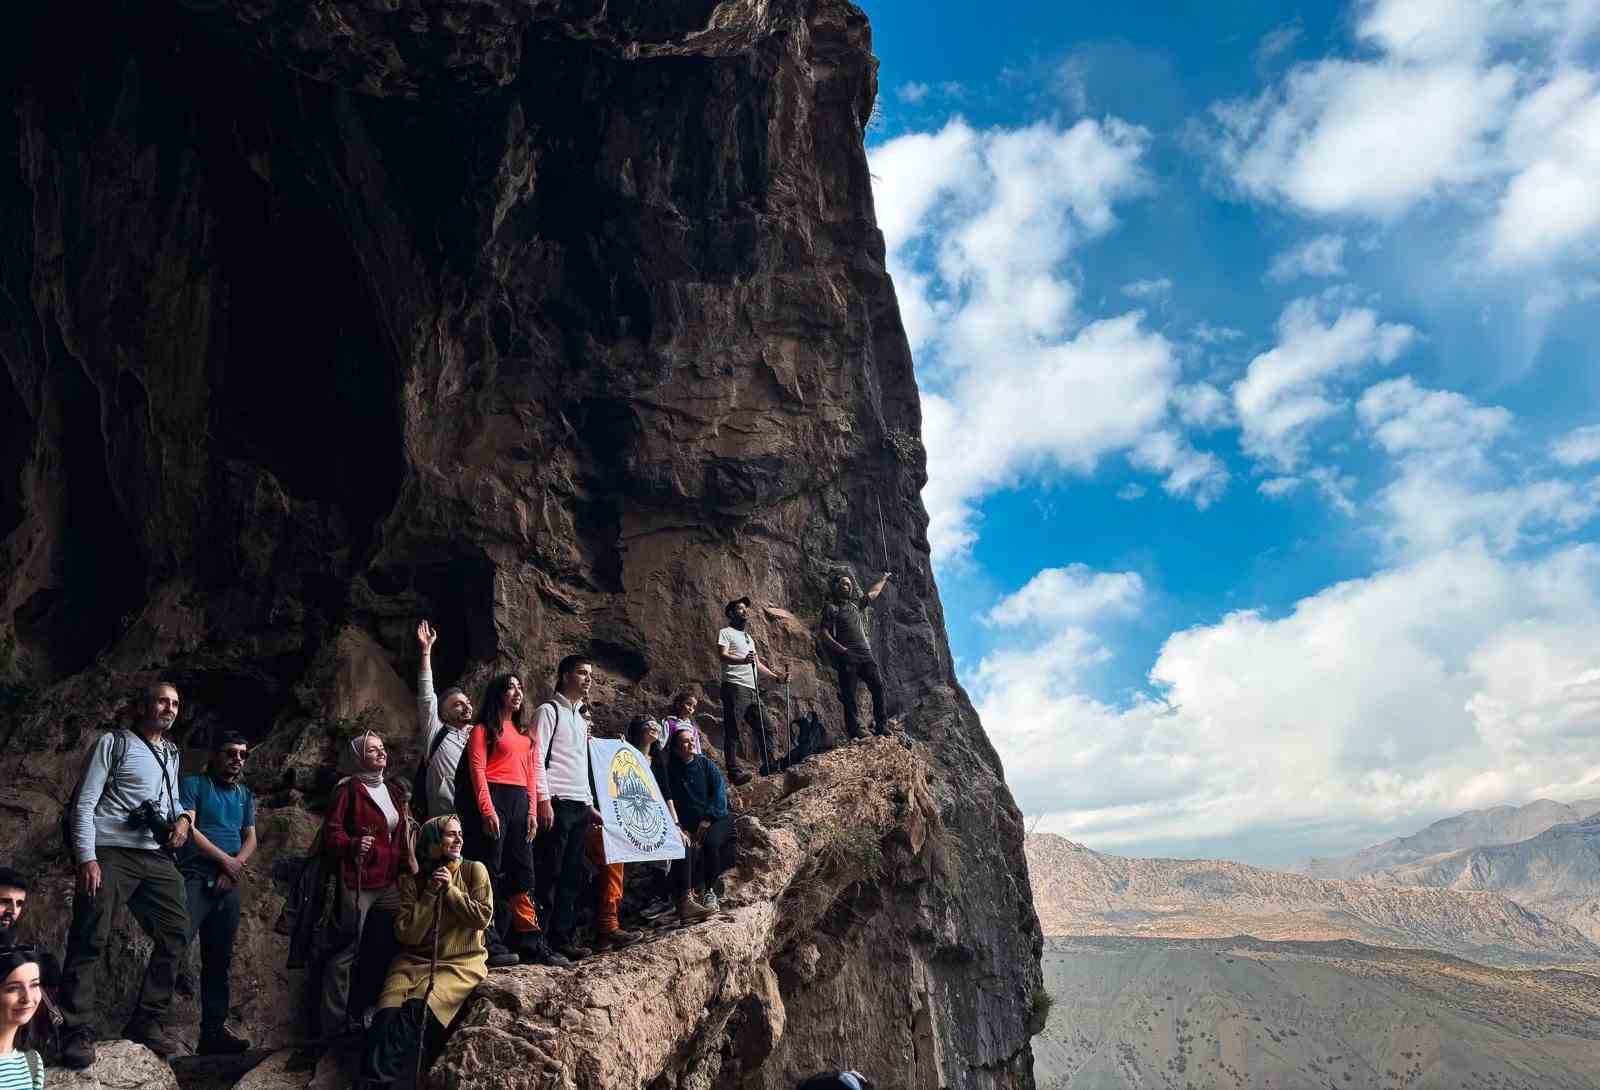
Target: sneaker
<point x="691" y="910"/>
<point x="739" y="776"/>
<point x="570" y="949"/>
<point x="222" y="1042"/>
<point x="616" y="940"/>
<point x="655" y="909"/>
<point x="77" y="1050"/>
<point x="537" y="951"/>
<point x="155" y="1038"/>
<point x="710" y="899"/>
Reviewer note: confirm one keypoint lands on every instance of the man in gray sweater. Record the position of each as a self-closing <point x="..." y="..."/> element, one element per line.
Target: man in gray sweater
<point x="127" y="797"/>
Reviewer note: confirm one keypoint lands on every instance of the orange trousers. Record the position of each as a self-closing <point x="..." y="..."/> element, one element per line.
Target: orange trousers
<point x="607" y="886"/>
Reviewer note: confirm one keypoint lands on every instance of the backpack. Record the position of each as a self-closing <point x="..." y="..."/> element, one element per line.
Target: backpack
<point x="119" y="753"/>
<point x="419" y="779"/>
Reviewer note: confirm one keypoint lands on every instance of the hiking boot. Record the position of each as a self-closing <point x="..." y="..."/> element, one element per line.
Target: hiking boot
<point x="692" y="911"/>
<point x="571" y="949"/>
<point x="155" y="1038"/>
<point x="77" y="1050"/>
<point x="615" y="940"/>
<point x="710" y="899"/>
<point x="221" y="1042"/>
<point x="739" y="776"/>
<point x="536" y="951"/>
<point x="880" y="731"/>
<point x="503" y="959"/>
<point x="184" y="985"/>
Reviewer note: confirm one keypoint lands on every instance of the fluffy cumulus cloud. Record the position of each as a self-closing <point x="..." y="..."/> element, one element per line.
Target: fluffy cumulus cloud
<point x="1578" y="447"/>
<point x="1450" y="486"/>
<point x="1292" y="387"/>
<point x="981" y="227"/>
<point x="1074" y="594"/>
<point x="1483" y="101"/>
<point x="1367" y="703"/>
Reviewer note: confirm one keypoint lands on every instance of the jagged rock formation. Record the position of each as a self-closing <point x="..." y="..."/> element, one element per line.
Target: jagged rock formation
<point x="557" y="323"/>
<point x="1463" y="832"/>
<point x="1082" y="892"/>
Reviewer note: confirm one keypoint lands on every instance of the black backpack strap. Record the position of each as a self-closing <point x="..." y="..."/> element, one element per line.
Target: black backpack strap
<point x="556" y="711"/>
<point x="438" y="740"/>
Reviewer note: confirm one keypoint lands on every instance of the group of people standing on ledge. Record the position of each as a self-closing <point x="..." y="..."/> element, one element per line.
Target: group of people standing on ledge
<point x="479" y="862"/>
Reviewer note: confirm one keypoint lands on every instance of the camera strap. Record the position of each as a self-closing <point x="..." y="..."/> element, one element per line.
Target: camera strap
<point x="161" y="763"/>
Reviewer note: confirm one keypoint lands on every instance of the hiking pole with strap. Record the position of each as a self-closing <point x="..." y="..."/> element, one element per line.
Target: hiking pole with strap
<point x="433" y="969"/>
<point x="761" y="714"/>
<point x="361" y="917"/>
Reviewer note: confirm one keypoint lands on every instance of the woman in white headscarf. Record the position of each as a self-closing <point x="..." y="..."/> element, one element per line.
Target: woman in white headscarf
<point x="366" y="832"/>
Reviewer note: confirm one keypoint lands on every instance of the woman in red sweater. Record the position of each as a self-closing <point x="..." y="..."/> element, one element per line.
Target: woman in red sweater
<point x="365" y="830"/>
<point x="495" y="807"/>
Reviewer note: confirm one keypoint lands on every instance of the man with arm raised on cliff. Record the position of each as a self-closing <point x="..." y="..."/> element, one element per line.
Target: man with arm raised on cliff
<point x="736" y="651"/>
<point x="844" y="634"/>
<point x="125" y="822"/>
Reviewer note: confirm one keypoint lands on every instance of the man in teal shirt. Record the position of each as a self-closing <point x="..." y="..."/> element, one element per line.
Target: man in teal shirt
<point x="224" y="839"/>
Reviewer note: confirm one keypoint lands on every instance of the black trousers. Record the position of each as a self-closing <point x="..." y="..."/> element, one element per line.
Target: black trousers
<point x="393" y="1040"/>
<point x="214" y="917"/>
<point x="561" y="869"/>
<point x="508" y="857"/>
<point x="703" y="865"/>
<point x="849" y="674"/>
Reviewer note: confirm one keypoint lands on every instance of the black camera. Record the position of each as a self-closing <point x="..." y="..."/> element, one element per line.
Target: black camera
<point x="146" y="816"/>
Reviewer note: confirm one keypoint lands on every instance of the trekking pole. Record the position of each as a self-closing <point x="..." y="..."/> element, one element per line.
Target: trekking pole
<point x="882" y="535"/>
<point x="361" y="925"/>
<point x="433" y="968"/>
<point x="761" y="716"/>
<point x="788" y="717"/>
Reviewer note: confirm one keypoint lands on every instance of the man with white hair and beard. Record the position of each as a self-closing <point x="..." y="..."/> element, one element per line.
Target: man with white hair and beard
<point x="124" y="824"/>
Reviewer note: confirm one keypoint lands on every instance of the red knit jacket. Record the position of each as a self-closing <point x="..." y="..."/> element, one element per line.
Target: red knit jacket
<point x="354" y="815"/>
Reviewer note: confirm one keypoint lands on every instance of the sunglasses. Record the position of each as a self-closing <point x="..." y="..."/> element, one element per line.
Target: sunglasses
<point x="234" y="755"/>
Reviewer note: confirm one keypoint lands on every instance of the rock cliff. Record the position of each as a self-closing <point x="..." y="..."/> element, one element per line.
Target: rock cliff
<point x="559" y="322"/>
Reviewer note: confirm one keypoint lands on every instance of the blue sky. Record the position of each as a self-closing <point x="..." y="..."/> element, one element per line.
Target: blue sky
<point x="1262" y="407"/>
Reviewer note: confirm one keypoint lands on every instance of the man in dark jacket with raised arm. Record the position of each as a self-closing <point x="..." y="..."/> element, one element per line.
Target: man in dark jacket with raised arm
<point x="844" y="634"/>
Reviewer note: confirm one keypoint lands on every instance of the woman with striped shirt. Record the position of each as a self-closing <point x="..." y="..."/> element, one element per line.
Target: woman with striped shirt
<point x="20" y="999"/>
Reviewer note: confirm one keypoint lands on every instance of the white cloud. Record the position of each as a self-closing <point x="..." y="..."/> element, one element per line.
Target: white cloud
<point x="1289" y="389"/>
<point x="1209" y="334"/>
<point x="1133" y="490"/>
<point x="912" y="92"/>
<point x="1190" y="474"/>
<point x="1554" y="198"/>
<point x="1203" y="406"/>
<point x="1147" y="289"/>
<point x="1367" y="703"/>
<point x="1448" y="488"/>
<point x="1075" y="594"/>
<point x="1407" y="419"/>
<point x="1321" y="256"/>
<point x="1578" y="447"/>
<point x="981" y="227"/>
<point x="1279" y="41"/>
<point x="1278" y="487"/>
<point x="1485" y="102"/>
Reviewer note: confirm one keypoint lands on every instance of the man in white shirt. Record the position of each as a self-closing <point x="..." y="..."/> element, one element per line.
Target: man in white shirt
<point x="566" y="805"/>
<point x="736" y="651"/>
<point x="451" y="715"/>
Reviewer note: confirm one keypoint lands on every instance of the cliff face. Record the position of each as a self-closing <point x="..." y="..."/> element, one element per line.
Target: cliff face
<point x="559" y="323"/>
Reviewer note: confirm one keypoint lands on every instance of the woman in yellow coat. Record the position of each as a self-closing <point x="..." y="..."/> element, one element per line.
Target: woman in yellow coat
<point x="443" y="908"/>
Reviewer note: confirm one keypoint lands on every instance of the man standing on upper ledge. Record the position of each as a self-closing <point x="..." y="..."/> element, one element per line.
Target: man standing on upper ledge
<point x="844" y="634"/>
<point x="736" y="651"/>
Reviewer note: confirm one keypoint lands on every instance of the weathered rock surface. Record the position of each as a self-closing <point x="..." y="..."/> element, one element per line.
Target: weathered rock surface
<point x="1081" y="892"/>
<point x="118" y="1065"/>
<point x="559" y="324"/>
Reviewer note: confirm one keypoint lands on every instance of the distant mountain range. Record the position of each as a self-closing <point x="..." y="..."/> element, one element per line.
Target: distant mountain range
<point x="1082" y="892"/>
<point x="1472" y="829"/>
<point x="1545" y="856"/>
<point x="1242" y="1014"/>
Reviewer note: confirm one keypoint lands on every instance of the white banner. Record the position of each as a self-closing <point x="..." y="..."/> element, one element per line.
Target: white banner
<point x="637" y="825"/>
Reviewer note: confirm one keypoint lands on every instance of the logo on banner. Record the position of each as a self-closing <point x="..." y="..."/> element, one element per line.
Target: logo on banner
<point x="638" y="807"/>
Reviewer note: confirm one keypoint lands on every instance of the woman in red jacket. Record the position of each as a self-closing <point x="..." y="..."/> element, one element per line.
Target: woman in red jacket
<point x="366" y="831"/>
<point x="497" y="818"/>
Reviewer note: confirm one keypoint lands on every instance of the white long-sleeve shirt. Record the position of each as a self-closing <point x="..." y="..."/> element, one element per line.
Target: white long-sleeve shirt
<point x="566" y="776"/>
<point x="439" y="784"/>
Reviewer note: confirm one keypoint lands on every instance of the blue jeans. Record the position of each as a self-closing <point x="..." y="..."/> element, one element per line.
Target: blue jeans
<point x="214" y="917"/>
